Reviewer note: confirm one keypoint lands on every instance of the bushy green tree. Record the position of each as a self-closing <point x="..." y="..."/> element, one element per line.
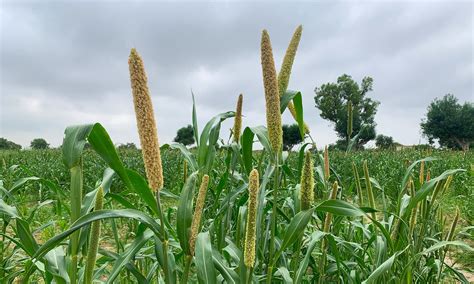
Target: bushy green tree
<point x="39" y="143"/>
<point x="6" y="144"/>
<point x="185" y="135"/>
<point x="384" y="142"/>
<point x="291" y="136"/>
<point x="332" y="100"/>
<point x="127" y="146"/>
<point x="449" y="122"/>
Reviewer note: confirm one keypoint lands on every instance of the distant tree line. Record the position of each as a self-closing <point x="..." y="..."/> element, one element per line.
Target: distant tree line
<point x="346" y="104"/>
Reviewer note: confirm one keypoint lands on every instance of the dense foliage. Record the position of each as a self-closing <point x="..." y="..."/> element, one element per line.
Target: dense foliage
<point x="39" y="144"/>
<point x="332" y="100"/>
<point x="384" y="142"/>
<point x="6" y="144"/>
<point x="185" y="135"/>
<point x="451" y="123"/>
<point x="291" y="136"/>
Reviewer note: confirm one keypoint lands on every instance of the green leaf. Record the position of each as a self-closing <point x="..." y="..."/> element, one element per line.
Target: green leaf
<point x="187" y="155"/>
<point x="339" y="207"/>
<point x="208" y="140"/>
<point x="298" y="103"/>
<point x="140" y="240"/>
<point x="203" y="259"/>
<point x="286" y="99"/>
<point x="443" y="244"/>
<point x="96" y="216"/>
<point x="24" y="234"/>
<point x="285" y="274"/>
<point x="195" y="124"/>
<point x="74" y="142"/>
<point x="8" y="210"/>
<point x="294" y="230"/>
<point x="384" y="267"/>
<point x="427" y="187"/>
<point x="262" y="135"/>
<point x="184" y="215"/>
<point x="229" y="275"/>
<point x="100" y="141"/>
<point x="315" y="238"/>
<point x="410" y="169"/>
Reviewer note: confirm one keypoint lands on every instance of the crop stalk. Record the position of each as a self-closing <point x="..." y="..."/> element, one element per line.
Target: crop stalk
<point x="165" y="238"/>
<point x="76" y="201"/>
<point x="276" y="183"/>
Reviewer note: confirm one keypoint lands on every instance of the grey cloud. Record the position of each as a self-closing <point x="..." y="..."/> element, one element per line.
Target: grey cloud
<point x="66" y="63"/>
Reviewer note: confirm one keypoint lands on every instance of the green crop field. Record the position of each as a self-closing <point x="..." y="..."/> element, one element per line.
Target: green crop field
<point x="242" y="211"/>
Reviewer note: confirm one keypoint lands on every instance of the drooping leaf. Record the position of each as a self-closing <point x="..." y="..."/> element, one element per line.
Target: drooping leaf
<point x="203" y="258"/>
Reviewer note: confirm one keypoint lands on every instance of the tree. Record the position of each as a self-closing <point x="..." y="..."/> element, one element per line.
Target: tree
<point x="332" y="99"/>
<point x="291" y="136"/>
<point x="39" y="143"/>
<point x="449" y="122"/>
<point x="384" y="142"/>
<point x="127" y="146"/>
<point x="8" y="145"/>
<point x="185" y="135"/>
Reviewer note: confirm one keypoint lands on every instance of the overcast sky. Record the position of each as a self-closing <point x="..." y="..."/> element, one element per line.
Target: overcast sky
<point x="65" y="64"/>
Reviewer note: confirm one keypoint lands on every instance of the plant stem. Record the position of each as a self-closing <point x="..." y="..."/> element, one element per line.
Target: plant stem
<point x="165" y="238"/>
<point x="186" y="269"/>
<point x="273" y="221"/>
<point x="249" y="275"/>
<point x="76" y="201"/>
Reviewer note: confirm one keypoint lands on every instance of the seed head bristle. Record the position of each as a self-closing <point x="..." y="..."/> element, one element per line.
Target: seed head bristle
<point x="238" y="119"/>
<point x="250" y="231"/>
<point x="196" y="222"/>
<point x="272" y="95"/>
<point x="422" y="172"/>
<point x="145" y="122"/>
<point x="326" y="164"/>
<point x="307" y="182"/>
<point x="450" y="235"/>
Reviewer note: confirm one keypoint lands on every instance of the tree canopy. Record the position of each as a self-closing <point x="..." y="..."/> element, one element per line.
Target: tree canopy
<point x="332" y="100"/>
<point x="291" y="136"/>
<point x="449" y="122"/>
<point x="127" y="146"/>
<point x="6" y="144"/>
<point x="39" y="143"/>
<point x="384" y="142"/>
<point x="185" y="135"/>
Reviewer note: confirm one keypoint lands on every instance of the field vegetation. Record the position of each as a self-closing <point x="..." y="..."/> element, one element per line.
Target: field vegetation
<point x="242" y="211"/>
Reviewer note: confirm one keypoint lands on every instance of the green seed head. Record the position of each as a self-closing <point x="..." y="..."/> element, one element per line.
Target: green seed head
<point x="196" y="223"/>
<point x="285" y="71"/>
<point x="250" y="231"/>
<point x="145" y="121"/>
<point x="326" y="164"/>
<point x="238" y="119"/>
<point x="450" y="235"/>
<point x="272" y="95"/>
<point x="422" y="172"/>
<point x="307" y="182"/>
<point x="368" y="185"/>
